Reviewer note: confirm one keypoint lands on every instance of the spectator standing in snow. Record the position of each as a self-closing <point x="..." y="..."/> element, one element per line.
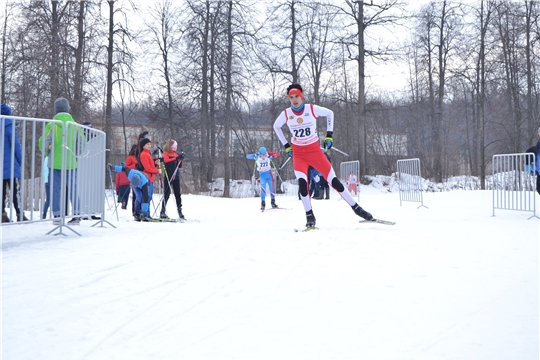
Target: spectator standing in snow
<point x="122" y="182"/>
<point x="314" y="186"/>
<point x="12" y="146"/>
<point x="301" y="120"/>
<point x="536" y="167"/>
<point x="325" y="187"/>
<point x="52" y="144"/>
<point x="263" y="161"/>
<point x="173" y="162"/>
<point x="147" y="164"/>
<point x="45" y="175"/>
<point x="131" y="163"/>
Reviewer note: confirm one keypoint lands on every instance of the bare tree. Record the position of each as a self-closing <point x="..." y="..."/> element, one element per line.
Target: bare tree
<point x="318" y="43"/>
<point x="4" y="55"/>
<point x="118" y="35"/>
<point x="165" y="35"/>
<point x="509" y="32"/>
<point x="479" y="158"/>
<point x="379" y="14"/>
<point x="279" y="51"/>
<point x="532" y="43"/>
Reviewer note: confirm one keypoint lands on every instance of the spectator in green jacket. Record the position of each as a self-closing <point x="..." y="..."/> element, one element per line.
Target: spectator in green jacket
<point x="51" y="143"/>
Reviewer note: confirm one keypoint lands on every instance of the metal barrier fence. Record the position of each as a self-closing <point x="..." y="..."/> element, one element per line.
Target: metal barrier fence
<point x="62" y="172"/>
<point x="410" y="181"/>
<point x="349" y="173"/>
<point x="513" y="185"/>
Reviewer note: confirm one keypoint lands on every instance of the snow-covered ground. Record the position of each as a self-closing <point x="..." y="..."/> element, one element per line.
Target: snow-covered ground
<point x="446" y="282"/>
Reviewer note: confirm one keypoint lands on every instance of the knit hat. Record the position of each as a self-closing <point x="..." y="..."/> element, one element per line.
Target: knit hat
<point x="136" y="180"/>
<point x="87" y="123"/>
<point x="61" y="105"/>
<point x="262" y="150"/>
<point x="144" y="142"/>
<point x="6" y="110"/>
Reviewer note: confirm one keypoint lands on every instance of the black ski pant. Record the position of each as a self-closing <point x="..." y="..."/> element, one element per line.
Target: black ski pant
<point x="175" y="184"/>
<point x="15" y="193"/>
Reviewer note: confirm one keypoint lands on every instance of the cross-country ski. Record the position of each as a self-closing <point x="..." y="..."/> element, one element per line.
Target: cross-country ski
<point x="377" y="221"/>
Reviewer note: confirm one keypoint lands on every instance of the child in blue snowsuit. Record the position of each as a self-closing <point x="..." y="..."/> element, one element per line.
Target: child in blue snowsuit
<point x="534" y="168"/>
<point x="263" y="161"/>
<point x="139" y="183"/>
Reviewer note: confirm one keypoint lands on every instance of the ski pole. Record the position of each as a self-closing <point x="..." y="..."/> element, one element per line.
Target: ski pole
<point x="285" y="163"/>
<point x="279" y="176"/>
<point x="112" y="192"/>
<point x="339" y="151"/>
<point x="264" y="190"/>
<point x="275" y="167"/>
<point x="253" y="180"/>
<point x="162" y="178"/>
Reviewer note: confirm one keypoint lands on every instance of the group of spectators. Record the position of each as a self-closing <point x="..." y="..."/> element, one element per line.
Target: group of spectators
<point x="163" y="164"/>
<point x="140" y="170"/>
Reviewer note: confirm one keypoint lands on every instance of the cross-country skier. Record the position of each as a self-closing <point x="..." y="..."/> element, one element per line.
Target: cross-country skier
<point x="263" y="161"/>
<point x="301" y="119"/>
<point x="140" y="184"/>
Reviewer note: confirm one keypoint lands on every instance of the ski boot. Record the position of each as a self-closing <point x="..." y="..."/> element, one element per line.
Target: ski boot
<point x="263" y="205"/>
<point x="273" y="203"/>
<point x="74" y="221"/>
<point x="310" y="219"/>
<point x="180" y="213"/>
<point x="5" y="218"/>
<point x="21" y="217"/>
<point x="144" y="217"/>
<point x="361" y="212"/>
<point x="163" y="214"/>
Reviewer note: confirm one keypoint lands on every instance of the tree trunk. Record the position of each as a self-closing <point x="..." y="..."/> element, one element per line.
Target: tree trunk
<point x="76" y="108"/>
<point x="108" y="106"/>
<point x="532" y="126"/>
<point x="361" y="110"/>
<point x="204" y="101"/>
<point x="55" y="53"/>
<point x="4" y="60"/>
<point x="294" y="70"/>
<point x="228" y="101"/>
<point x="438" y="140"/>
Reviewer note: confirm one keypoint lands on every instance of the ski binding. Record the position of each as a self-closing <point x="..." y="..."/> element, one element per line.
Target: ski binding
<point x="306" y="229"/>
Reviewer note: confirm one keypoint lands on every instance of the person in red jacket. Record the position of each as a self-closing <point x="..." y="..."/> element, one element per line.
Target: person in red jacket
<point x="148" y="165"/>
<point x="173" y="161"/>
<point x="131" y="160"/>
<point x="131" y="163"/>
<point x="122" y="188"/>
